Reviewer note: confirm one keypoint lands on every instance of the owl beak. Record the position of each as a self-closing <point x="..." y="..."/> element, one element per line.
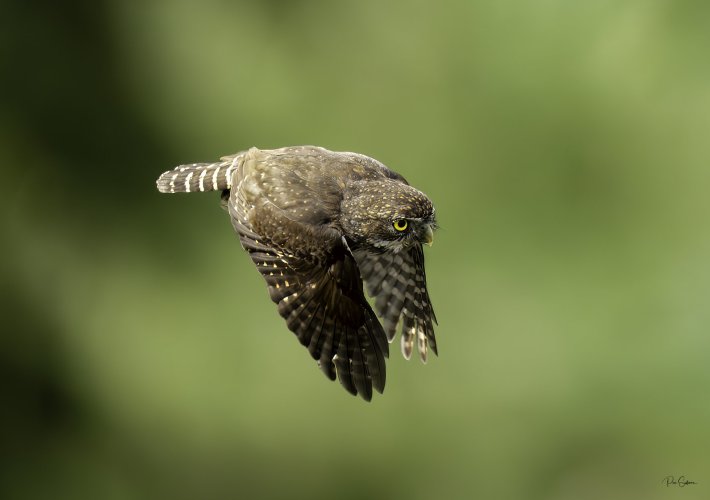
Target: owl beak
<point x="429" y="235"/>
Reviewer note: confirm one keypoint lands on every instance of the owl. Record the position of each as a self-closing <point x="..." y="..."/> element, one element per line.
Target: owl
<point x="318" y="224"/>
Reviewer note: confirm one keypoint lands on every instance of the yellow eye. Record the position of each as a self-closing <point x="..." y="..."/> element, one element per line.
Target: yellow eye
<point x="400" y="224"/>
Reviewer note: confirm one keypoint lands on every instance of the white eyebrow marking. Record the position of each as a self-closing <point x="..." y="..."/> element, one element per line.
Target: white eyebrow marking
<point x="187" y="182"/>
<point x="202" y="180"/>
<point x="214" y="178"/>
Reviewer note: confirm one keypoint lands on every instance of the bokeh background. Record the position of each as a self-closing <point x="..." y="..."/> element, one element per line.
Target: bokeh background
<point x="565" y="144"/>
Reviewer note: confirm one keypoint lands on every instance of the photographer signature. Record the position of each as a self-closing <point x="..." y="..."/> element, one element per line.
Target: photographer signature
<point x="681" y="482"/>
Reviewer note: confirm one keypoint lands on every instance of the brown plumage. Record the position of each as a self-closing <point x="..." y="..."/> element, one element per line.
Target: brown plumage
<point x="316" y="224"/>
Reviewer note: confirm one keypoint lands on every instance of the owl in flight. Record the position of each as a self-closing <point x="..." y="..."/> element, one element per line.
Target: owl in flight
<point x="317" y="223"/>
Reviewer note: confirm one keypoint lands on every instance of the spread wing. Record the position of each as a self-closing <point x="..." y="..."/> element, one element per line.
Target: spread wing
<point x="397" y="281"/>
<point x="314" y="279"/>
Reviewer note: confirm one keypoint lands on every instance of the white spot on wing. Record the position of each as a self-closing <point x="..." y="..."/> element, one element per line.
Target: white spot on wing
<point x="202" y="179"/>
<point x="187" y="182"/>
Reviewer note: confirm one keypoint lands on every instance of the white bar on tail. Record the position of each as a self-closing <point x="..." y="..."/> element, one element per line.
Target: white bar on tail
<point x="214" y="178"/>
<point x="202" y="179"/>
<point x="228" y="177"/>
<point x="172" y="181"/>
<point x="187" y="182"/>
<point x="230" y="170"/>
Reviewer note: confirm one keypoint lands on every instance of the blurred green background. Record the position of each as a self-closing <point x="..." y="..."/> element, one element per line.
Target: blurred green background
<point x="566" y="146"/>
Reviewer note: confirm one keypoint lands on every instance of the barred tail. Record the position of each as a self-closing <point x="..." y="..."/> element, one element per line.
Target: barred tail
<point x="198" y="177"/>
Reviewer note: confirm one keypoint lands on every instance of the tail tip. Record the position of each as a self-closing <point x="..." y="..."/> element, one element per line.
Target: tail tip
<point x="164" y="182"/>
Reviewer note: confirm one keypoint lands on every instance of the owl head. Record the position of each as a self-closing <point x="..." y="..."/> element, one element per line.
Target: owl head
<point x="387" y="215"/>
